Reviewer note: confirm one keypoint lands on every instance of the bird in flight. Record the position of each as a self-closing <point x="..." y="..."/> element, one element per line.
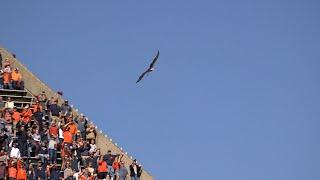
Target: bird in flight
<point x="150" y="69"/>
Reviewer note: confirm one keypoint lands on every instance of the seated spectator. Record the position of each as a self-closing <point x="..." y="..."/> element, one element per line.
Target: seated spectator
<point x="17" y="79"/>
<point x="135" y="170"/>
<point x="9" y="104"/>
<point x="6" y="75"/>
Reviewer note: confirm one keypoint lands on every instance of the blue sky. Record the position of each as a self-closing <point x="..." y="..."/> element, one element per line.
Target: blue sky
<point x="235" y="95"/>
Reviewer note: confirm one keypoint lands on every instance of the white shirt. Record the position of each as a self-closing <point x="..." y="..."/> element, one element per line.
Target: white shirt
<point x="15" y="153"/>
<point x="60" y="133"/>
<point x="93" y="148"/>
<point x="9" y="104"/>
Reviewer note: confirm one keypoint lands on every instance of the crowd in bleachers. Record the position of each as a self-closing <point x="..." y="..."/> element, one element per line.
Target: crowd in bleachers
<point x="48" y="140"/>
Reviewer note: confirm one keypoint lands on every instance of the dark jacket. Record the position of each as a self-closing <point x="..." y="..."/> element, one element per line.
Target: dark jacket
<point x="109" y="158"/>
<point x="132" y="173"/>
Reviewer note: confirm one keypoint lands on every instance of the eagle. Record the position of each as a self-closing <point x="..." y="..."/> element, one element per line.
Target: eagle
<point x="150" y="68"/>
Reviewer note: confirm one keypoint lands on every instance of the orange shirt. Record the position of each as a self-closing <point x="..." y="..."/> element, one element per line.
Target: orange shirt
<point x="12" y="172"/>
<point x="73" y="129"/>
<point x="53" y="131"/>
<point x="16" y="76"/>
<point x="67" y="137"/>
<point x="6" y="77"/>
<point x="22" y="174"/>
<point x="116" y="165"/>
<point x="102" y="166"/>
<point x="26" y="115"/>
<point x="16" y="116"/>
<point x="36" y="106"/>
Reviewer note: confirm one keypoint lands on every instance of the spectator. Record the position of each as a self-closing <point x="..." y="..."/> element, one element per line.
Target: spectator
<point x="2" y="104"/>
<point x="26" y="114"/>
<point x="116" y="166"/>
<point x="12" y="171"/>
<point x="31" y="175"/>
<point x="42" y="98"/>
<point x="55" y="110"/>
<point x="68" y="173"/>
<point x="22" y="139"/>
<point x="21" y="172"/>
<point x="102" y="169"/>
<point x="3" y="170"/>
<point x="15" y="152"/>
<point x="41" y="172"/>
<point x="54" y="172"/>
<point x="16" y="116"/>
<point x="9" y="104"/>
<point x="52" y="150"/>
<point x="93" y="147"/>
<point x="91" y="133"/>
<point x="109" y="159"/>
<point x="16" y="79"/>
<point x="135" y="170"/>
<point x="66" y="108"/>
<point x="6" y="76"/>
<point x="123" y="172"/>
<point x="81" y="124"/>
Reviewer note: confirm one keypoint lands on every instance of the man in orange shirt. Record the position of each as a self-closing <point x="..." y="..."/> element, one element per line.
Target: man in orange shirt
<point x="16" y="79"/>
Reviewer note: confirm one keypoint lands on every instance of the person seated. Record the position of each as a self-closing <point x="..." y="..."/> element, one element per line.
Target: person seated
<point x="7" y="78"/>
<point x="9" y="104"/>
<point x="16" y="79"/>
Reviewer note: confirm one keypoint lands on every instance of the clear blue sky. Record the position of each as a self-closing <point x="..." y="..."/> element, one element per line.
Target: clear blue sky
<point x="235" y="95"/>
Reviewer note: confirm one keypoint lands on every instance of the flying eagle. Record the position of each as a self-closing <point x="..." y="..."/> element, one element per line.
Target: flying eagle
<point x="150" y="69"/>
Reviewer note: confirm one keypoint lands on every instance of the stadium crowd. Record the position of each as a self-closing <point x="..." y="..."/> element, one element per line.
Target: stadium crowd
<point x="45" y="140"/>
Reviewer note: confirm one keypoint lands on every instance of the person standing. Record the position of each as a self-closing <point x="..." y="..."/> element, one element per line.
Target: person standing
<point x="135" y="170"/>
